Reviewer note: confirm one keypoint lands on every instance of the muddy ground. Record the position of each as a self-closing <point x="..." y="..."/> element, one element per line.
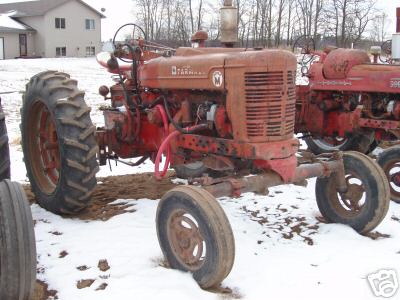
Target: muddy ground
<point x="109" y="189"/>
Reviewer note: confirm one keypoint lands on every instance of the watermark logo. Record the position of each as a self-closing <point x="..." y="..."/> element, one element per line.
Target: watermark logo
<point x="384" y="283"/>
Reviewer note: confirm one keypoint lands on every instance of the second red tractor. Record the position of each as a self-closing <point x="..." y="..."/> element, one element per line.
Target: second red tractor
<point x="350" y="103"/>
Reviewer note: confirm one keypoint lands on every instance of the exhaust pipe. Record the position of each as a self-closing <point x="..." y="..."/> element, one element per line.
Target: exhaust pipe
<point x="398" y="20"/>
<point x="229" y="24"/>
<point x="396" y="38"/>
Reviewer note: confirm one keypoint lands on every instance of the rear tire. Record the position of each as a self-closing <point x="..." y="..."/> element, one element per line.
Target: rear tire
<point x="17" y="244"/>
<point x="190" y="218"/>
<point x="389" y="160"/>
<point x="365" y="204"/>
<point x="4" y="149"/>
<point x="363" y="143"/>
<point x="58" y="141"/>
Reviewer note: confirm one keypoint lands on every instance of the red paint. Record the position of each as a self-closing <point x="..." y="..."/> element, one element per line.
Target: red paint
<point x="330" y="106"/>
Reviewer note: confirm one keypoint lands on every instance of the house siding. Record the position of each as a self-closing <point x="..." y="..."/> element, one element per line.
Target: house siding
<point x="74" y="37"/>
<point x="39" y="36"/>
<point x="11" y="44"/>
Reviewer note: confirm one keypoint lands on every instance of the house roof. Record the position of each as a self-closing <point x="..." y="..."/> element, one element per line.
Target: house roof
<point x="37" y="7"/>
<point x="8" y="24"/>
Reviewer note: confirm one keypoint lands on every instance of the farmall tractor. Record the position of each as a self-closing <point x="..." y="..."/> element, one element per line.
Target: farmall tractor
<point x="17" y="240"/>
<point x="198" y="110"/>
<point x="350" y="104"/>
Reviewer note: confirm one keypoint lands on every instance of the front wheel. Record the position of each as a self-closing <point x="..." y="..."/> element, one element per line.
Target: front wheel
<point x="58" y="143"/>
<point x="366" y="201"/>
<point x="195" y="235"/>
<point x="17" y="244"/>
<point x="389" y="160"/>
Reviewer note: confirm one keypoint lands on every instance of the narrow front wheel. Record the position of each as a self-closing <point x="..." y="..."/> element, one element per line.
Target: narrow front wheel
<point x="195" y="235"/>
<point x="366" y="201"/>
<point x="389" y="160"/>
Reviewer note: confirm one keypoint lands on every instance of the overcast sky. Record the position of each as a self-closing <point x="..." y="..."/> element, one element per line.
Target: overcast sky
<point x="119" y="12"/>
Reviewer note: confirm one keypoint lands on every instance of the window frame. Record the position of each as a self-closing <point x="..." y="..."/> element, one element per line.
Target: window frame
<point x="60" y="23"/>
<point x="90" y="51"/>
<point x="61" y="51"/>
<point x="91" y="23"/>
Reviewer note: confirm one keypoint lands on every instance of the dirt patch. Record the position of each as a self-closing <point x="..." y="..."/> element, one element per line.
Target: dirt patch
<point x="85" y="283"/>
<point x="83" y="268"/>
<point x="285" y="225"/>
<point x="376" y="235"/>
<point x="109" y="189"/>
<point x="42" y="292"/>
<point x="63" y="254"/>
<point x="103" y="265"/>
<point x="102" y="287"/>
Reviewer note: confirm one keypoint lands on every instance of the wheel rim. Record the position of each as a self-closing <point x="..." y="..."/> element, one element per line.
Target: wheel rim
<point x="352" y="202"/>
<point x="187" y="242"/>
<point x="44" y="148"/>
<point x="392" y="171"/>
<point x="330" y="143"/>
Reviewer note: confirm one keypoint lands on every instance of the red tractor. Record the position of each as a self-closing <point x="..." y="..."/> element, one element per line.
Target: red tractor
<point x="349" y="104"/>
<point x="204" y="110"/>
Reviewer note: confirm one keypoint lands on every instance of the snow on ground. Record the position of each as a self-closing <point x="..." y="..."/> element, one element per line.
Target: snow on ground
<point x="282" y="250"/>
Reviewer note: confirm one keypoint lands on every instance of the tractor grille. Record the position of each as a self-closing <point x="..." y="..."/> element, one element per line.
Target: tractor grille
<point x="270" y="104"/>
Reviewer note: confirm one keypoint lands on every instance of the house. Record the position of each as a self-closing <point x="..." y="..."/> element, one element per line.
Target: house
<point x="49" y="28"/>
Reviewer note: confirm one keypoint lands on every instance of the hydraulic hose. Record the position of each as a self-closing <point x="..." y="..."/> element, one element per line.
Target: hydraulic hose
<point x="166" y="145"/>
<point x="168" y="149"/>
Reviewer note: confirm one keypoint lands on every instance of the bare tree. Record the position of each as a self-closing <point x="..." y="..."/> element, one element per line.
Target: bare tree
<point x="379" y="28"/>
<point x="264" y="22"/>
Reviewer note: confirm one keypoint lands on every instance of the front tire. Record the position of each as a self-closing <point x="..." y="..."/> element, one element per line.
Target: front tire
<point x="366" y="202"/>
<point x="389" y="160"/>
<point x="195" y="235"/>
<point x="58" y="143"/>
<point x="17" y="244"/>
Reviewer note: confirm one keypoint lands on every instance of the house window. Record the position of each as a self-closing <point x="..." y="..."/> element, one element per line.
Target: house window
<point x="60" y="23"/>
<point x="90" y="51"/>
<point x="89" y="24"/>
<point x="61" y="51"/>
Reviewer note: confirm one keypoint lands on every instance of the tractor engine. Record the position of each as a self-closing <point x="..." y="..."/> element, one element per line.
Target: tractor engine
<point x="233" y="105"/>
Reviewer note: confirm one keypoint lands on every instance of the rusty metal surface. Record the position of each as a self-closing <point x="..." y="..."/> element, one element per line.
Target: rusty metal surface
<point x="339" y="62"/>
<point x="348" y="95"/>
<point x="47" y="164"/>
<point x="186" y="239"/>
<point x="321" y="167"/>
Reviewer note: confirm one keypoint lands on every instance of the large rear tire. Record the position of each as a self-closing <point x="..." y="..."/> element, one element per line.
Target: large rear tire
<point x="366" y="202"/>
<point x="195" y="235"/>
<point x="58" y="143"/>
<point x="363" y="143"/>
<point x="4" y="150"/>
<point x="389" y="160"/>
<point x="17" y="244"/>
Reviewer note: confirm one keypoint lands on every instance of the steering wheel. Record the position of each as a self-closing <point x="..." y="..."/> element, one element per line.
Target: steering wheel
<point x="302" y="48"/>
<point x="386" y="53"/>
<point x="132" y="33"/>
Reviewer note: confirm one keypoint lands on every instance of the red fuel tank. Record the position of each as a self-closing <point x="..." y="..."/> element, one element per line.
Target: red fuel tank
<point x="340" y="61"/>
